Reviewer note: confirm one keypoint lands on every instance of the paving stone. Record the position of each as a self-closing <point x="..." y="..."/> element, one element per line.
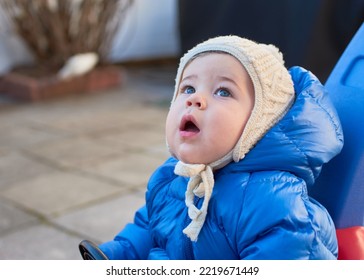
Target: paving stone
<point x="12" y="218"/>
<point x="148" y="115"/>
<point x="135" y="138"/>
<point x="46" y="112"/>
<point x="58" y="192"/>
<point x="22" y="136"/>
<point x="101" y="222"/>
<point x="75" y="152"/>
<point x="108" y="120"/>
<point x="133" y="169"/>
<point x="16" y="167"/>
<point x="159" y="151"/>
<point x="87" y="123"/>
<point x="40" y="242"/>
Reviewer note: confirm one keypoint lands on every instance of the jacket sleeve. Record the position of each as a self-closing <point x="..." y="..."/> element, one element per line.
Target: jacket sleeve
<point x="133" y="242"/>
<point x="279" y="221"/>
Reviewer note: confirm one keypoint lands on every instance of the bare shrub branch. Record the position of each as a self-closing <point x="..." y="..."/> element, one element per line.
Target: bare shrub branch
<point x="54" y="30"/>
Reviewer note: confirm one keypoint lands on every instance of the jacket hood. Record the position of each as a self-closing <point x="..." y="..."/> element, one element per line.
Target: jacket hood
<point x="307" y="137"/>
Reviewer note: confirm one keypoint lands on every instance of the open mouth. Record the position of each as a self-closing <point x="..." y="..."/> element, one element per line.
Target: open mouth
<point x="188" y="126"/>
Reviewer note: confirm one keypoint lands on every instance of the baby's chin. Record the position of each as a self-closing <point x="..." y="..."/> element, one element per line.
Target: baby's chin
<point x="193" y="156"/>
<point x="194" y="160"/>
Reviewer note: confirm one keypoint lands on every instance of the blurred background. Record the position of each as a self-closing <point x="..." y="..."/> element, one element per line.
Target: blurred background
<point x="76" y="166"/>
<point x="310" y="33"/>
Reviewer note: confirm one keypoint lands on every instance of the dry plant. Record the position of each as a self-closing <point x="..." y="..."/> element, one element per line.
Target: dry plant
<point x="54" y="30"/>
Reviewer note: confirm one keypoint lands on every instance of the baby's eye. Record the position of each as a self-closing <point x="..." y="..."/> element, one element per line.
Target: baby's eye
<point x="223" y="93"/>
<point x="189" y="90"/>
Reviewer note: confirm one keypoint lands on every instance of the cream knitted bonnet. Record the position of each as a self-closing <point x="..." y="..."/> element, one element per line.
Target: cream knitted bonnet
<point x="274" y="95"/>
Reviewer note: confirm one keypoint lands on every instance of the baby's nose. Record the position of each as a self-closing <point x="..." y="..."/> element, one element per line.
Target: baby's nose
<point x="196" y="100"/>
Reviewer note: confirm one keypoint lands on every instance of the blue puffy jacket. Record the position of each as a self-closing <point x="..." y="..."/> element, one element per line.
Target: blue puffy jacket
<point x="260" y="208"/>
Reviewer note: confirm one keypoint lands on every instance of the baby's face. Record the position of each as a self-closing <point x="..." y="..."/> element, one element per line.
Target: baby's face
<point x="214" y="102"/>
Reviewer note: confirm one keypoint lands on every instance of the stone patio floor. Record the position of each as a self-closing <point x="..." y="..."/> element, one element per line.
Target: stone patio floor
<point x="76" y="167"/>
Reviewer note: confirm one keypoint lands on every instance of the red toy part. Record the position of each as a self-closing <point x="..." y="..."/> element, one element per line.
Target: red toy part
<point x="351" y="243"/>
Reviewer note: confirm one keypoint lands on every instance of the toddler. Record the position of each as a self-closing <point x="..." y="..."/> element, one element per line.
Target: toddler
<point x="248" y="138"/>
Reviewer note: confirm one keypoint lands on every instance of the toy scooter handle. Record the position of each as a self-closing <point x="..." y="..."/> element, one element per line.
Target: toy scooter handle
<point x="90" y="251"/>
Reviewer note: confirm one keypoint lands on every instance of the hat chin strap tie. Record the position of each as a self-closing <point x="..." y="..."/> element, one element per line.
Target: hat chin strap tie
<point x="200" y="184"/>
